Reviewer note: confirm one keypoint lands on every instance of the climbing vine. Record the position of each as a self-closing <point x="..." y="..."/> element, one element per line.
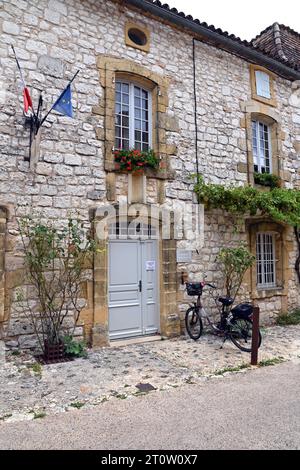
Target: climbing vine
<point x="279" y="204"/>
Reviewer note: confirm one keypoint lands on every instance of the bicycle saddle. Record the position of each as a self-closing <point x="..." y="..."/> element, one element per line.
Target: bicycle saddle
<point x="226" y="301"/>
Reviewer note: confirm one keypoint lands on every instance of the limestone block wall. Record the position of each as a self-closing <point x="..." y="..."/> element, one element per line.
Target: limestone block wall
<point x="54" y="39"/>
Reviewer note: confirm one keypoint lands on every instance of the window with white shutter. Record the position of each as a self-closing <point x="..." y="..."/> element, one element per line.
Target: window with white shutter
<point x="263" y="87"/>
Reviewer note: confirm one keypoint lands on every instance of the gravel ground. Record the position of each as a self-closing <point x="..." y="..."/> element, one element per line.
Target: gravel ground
<point x="28" y="391"/>
<point x="249" y="410"/>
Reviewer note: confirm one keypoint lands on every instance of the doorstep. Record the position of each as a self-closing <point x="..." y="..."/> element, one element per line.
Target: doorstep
<point x="137" y="340"/>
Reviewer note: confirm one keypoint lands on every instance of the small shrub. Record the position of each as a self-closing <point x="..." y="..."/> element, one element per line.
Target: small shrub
<point x="291" y="318"/>
<point x="77" y="404"/>
<point x="74" y="348"/>
<point x="16" y="352"/>
<point x="271" y="362"/>
<point x="232" y="369"/>
<point x="36" y="368"/>
<point x="40" y="414"/>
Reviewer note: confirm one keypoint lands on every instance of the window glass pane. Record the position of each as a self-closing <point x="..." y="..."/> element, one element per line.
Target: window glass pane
<point x="125" y="133"/>
<point x="137" y="91"/>
<point x="145" y="137"/>
<point x="125" y="121"/>
<point x="118" y="120"/>
<point x="137" y="124"/>
<point x="126" y="145"/>
<point x="118" y="97"/>
<point x="137" y="136"/>
<point x="137" y="102"/>
<point x="125" y="99"/>
<point x="118" y="86"/>
<point x="125" y="88"/>
<point x="262" y="84"/>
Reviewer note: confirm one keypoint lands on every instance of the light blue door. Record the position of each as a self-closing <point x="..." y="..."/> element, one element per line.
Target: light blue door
<point x="133" y="288"/>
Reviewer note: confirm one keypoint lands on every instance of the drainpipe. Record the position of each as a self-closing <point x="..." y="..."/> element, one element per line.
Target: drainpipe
<point x="195" y="109"/>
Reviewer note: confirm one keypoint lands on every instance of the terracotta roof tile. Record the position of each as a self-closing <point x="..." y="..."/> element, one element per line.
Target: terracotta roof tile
<point x="264" y="42"/>
<point x="280" y="41"/>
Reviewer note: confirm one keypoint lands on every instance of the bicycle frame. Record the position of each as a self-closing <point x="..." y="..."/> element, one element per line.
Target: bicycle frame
<point x="223" y="320"/>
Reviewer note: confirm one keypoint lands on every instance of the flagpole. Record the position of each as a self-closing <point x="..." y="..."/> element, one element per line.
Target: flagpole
<point x="70" y="82"/>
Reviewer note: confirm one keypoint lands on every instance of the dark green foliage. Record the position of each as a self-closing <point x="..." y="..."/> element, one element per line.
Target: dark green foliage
<point x="291" y="318"/>
<point x="74" y="348"/>
<point x="136" y="160"/>
<point x="280" y="204"/>
<point x="55" y="262"/>
<point x="267" y="179"/>
<point x="234" y="262"/>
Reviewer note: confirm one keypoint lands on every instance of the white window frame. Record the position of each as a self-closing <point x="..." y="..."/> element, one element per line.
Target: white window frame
<point x="266" y="262"/>
<point x="132" y="116"/>
<point x="259" y="152"/>
<point x="263" y="84"/>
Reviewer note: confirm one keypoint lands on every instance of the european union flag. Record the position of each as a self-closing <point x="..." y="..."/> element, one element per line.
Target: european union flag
<point x="64" y="103"/>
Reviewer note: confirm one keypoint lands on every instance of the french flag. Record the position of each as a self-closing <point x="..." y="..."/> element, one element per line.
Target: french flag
<point x="26" y="95"/>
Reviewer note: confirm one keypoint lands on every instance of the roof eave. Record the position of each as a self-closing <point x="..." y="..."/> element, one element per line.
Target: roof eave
<point x="219" y="40"/>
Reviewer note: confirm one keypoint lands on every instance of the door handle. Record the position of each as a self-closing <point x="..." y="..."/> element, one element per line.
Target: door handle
<point x="140" y="286"/>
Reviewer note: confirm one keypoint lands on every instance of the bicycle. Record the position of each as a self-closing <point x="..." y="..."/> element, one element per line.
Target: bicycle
<point x="235" y="323"/>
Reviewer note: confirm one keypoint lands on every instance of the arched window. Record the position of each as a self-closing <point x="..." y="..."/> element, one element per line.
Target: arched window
<point x="133" y="111"/>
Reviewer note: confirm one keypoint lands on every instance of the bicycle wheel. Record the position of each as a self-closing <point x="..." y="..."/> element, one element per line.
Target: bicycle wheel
<point x="240" y="334"/>
<point x="193" y="323"/>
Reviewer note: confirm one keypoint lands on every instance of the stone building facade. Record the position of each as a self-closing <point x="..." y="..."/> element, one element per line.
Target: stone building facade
<point x="193" y="76"/>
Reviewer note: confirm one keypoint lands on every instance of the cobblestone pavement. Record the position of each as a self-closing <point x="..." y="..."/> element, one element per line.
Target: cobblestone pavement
<point x="28" y="391"/>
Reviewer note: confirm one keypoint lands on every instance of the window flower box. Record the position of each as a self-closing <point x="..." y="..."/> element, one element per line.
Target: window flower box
<point x="267" y="180"/>
<point x="135" y="161"/>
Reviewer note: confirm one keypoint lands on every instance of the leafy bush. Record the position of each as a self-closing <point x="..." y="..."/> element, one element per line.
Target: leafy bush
<point x="291" y="318"/>
<point x="234" y="262"/>
<point x="55" y="263"/>
<point x="74" y="348"/>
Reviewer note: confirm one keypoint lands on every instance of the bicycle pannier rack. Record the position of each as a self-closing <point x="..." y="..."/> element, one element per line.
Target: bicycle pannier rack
<point x="194" y="288"/>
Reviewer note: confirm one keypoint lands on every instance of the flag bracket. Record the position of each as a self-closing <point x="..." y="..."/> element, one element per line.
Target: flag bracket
<point x="34" y="120"/>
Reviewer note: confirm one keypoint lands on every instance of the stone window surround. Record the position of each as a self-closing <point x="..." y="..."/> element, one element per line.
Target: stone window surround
<point x="269" y="101"/>
<point x="130" y="25"/>
<point x="112" y="68"/>
<point x="271" y="117"/>
<point x="282" y="249"/>
<point x="96" y="315"/>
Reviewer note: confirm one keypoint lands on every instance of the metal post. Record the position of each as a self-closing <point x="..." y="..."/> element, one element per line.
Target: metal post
<point x="255" y="336"/>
